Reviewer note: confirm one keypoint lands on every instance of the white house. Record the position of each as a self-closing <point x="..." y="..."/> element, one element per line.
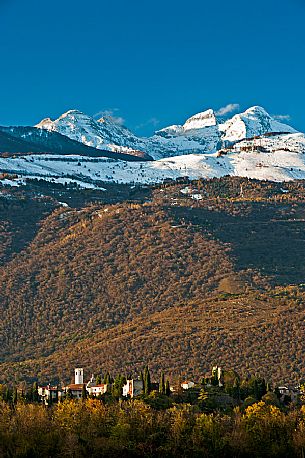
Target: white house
<point x="133" y="388"/>
<point x="186" y="385"/>
<point x="95" y="390"/>
<point x="289" y="391"/>
<point x="49" y="394"/>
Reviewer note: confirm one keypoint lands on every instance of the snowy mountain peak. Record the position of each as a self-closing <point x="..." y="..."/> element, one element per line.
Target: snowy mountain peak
<point x="107" y="119"/>
<point x="46" y="124"/>
<point x="73" y="114"/>
<point x="252" y="122"/>
<point x="202" y="147"/>
<point x="257" y="110"/>
<point x="200" y="120"/>
<point x="195" y="125"/>
<point x="201" y="133"/>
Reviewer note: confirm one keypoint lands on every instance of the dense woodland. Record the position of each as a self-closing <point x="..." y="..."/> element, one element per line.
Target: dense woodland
<point x="155" y="277"/>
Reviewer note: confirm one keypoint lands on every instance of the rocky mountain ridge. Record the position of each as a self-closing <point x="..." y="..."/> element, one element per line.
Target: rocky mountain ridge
<point x="201" y="133"/>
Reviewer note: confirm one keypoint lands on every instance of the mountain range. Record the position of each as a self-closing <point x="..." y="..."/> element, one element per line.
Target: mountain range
<point x="251" y="144"/>
<point x="201" y="133"/>
<point x="180" y="277"/>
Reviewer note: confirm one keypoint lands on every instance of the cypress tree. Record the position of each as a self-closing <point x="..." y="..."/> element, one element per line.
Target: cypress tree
<point x="50" y="398"/>
<point x="142" y="380"/>
<point x="35" y="396"/>
<point x="162" y="384"/>
<point x="84" y="392"/>
<point x="107" y="379"/>
<point x="15" y="396"/>
<point x="147" y="382"/>
<point x="256" y="390"/>
<point x="167" y="388"/>
<point x="236" y="389"/>
<point x="117" y="387"/>
<point x="56" y="394"/>
<point x="7" y="394"/>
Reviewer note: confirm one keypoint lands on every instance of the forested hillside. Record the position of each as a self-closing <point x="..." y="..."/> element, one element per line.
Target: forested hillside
<point x="177" y="281"/>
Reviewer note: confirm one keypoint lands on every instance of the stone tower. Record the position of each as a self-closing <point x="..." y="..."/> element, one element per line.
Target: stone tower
<point x="79" y="376"/>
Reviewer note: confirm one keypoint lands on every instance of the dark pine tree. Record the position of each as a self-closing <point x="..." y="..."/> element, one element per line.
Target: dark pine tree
<point x="167" y="388"/>
<point x="147" y="381"/>
<point x="35" y="396"/>
<point x="162" y="384"/>
<point x="15" y="396"/>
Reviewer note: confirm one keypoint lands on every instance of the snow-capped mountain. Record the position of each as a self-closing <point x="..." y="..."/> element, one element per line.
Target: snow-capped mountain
<point x="251" y="144"/>
<point x="19" y="140"/>
<point x="276" y="158"/>
<point x="254" y="121"/>
<point x="201" y="133"/>
<point x="104" y="133"/>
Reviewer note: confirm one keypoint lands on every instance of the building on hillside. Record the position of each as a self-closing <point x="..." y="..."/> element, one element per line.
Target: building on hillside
<point x="76" y="388"/>
<point x="217" y="373"/>
<point x="187" y="384"/>
<point x="49" y="394"/>
<point x="95" y="389"/>
<point x="289" y="392"/>
<point x="79" y="376"/>
<point x="133" y="388"/>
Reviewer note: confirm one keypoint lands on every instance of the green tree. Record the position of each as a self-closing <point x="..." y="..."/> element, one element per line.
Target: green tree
<point x="236" y="389"/>
<point x="84" y="392"/>
<point x="147" y="380"/>
<point x="108" y="379"/>
<point x="117" y="386"/>
<point x="50" y="398"/>
<point x="35" y="396"/>
<point x="15" y="395"/>
<point x="162" y="384"/>
<point x="167" y="388"/>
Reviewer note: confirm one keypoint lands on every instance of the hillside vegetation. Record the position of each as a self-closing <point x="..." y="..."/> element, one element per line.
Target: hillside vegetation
<point x="175" y="282"/>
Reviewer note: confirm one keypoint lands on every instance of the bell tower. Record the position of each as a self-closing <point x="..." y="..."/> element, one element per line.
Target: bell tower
<point x="79" y="376"/>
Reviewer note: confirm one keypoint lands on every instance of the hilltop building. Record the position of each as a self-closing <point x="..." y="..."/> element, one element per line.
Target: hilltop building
<point x="79" y="376"/>
<point x="94" y="389"/>
<point x="49" y="394"/>
<point x="133" y="388"/>
<point x="187" y="384"/>
<point x="76" y="388"/>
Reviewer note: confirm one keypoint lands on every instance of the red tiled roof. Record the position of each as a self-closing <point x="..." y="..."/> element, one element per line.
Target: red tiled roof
<point x="74" y="386"/>
<point x="52" y="388"/>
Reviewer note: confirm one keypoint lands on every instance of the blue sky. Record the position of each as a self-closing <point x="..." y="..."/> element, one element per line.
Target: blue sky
<point x="151" y="63"/>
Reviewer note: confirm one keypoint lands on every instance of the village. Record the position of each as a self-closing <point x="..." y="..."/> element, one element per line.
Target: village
<point x="225" y="381"/>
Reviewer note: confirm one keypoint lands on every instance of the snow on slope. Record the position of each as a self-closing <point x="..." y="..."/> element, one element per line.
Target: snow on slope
<point x="106" y="133"/>
<point x="254" y="121"/>
<point x="202" y="133"/>
<point x="282" y="159"/>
